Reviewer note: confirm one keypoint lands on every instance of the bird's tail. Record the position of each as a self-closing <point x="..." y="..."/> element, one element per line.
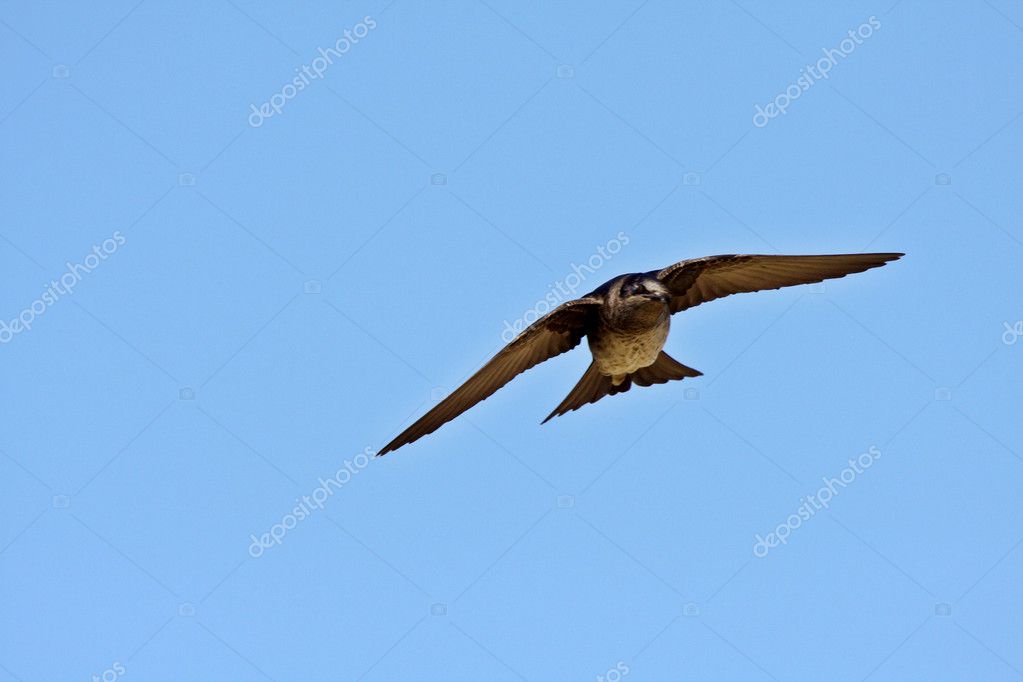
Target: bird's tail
<point x="593" y="386"/>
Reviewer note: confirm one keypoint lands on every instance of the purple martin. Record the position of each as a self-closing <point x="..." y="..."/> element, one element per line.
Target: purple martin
<point x="626" y="321"/>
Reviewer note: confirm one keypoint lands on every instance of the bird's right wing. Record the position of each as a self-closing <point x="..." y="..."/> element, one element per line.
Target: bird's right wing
<point x="556" y="332"/>
<point x="699" y="280"/>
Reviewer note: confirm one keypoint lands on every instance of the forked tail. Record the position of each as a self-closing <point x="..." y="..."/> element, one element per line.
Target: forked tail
<point x="594" y="385"/>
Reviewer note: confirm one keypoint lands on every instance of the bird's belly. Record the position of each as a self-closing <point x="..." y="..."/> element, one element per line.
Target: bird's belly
<point x="617" y="353"/>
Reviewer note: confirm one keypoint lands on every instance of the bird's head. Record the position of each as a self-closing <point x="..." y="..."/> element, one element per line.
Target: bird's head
<point x="644" y="290"/>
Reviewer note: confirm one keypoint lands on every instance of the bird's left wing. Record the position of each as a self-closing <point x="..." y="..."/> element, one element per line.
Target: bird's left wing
<point x="699" y="280"/>
<point x="556" y="332"/>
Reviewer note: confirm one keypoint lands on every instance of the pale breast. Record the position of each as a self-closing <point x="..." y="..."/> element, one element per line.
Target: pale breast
<point x="617" y="353"/>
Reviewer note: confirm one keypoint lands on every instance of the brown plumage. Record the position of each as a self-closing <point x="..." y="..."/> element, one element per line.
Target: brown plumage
<point x="626" y="321"/>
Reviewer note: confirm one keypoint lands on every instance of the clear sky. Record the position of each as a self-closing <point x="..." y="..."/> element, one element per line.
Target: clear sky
<point x="244" y="243"/>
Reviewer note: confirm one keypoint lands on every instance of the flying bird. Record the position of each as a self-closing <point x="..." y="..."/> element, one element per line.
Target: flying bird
<point x="626" y="321"/>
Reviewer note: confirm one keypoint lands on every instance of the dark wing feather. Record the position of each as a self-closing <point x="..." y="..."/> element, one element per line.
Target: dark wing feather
<point x="556" y="332"/>
<point x="699" y="280"/>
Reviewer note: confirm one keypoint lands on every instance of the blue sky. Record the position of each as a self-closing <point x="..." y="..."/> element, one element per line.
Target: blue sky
<point x="210" y="317"/>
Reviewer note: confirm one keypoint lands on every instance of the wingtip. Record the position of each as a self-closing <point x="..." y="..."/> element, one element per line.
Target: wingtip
<point x="883" y="258"/>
